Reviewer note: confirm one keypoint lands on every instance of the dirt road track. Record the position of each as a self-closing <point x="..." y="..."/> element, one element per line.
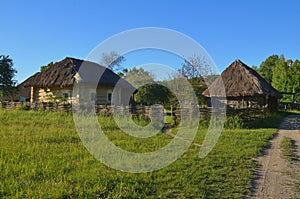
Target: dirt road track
<point x="277" y="177"/>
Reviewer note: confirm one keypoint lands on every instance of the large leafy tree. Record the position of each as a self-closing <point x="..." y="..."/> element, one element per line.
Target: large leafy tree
<point x="7" y="74"/>
<point x="138" y="77"/>
<point x="150" y="94"/>
<point x="283" y="74"/>
<point x="280" y="75"/>
<point x="294" y="78"/>
<point x="266" y="68"/>
<point x="149" y="91"/>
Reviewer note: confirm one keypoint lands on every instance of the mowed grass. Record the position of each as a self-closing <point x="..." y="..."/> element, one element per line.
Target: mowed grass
<point x="41" y="156"/>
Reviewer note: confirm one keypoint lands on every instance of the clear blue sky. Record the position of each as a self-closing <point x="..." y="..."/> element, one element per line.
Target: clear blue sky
<point x="34" y="32"/>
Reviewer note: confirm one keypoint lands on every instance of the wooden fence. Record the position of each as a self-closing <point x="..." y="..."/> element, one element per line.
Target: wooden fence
<point x="137" y="110"/>
<point x="104" y="110"/>
<point x="289" y="106"/>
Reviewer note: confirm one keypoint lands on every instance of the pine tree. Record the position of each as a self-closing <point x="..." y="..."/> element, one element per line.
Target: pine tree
<point x="7" y="74"/>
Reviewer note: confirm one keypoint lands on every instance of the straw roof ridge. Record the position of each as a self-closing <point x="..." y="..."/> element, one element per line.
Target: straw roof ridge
<point x="240" y="80"/>
<point x="62" y="74"/>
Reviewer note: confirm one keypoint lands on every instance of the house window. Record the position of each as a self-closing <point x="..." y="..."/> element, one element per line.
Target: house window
<point x="109" y="96"/>
<point x="93" y="97"/>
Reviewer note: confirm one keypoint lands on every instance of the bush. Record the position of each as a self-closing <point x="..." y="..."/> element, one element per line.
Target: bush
<point x="234" y="122"/>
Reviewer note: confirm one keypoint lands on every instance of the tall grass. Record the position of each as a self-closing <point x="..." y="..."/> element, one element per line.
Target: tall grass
<point x="41" y="156"/>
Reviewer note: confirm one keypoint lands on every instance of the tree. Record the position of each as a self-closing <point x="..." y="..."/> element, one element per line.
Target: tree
<point x="47" y="66"/>
<point x="181" y="88"/>
<point x="283" y="74"/>
<point x="7" y="74"/>
<point x="123" y="72"/>
<point x="255" y="68"/>
<point x="150" y="94"/>
<point x="280" y="75"/>
<point x="138" y="77"/>
<point x="194" y="67"/>
<point x="199" y="86"/>
<point x="149" y="91"/>
<point x="113" y="61"/>
<point x="294" y="79"/>
<point x="266" y="68"/>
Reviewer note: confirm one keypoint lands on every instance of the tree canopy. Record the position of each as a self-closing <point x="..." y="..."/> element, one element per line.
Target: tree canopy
<point x="7" y="74"/>
<point x="154" y="93"/>
<point x="265" y="68"/>
<point x="138" y="77"/>
<point x="283" y="74"/>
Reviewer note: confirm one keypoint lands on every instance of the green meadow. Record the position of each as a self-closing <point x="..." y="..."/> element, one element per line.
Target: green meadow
<point x="42" y="156"/>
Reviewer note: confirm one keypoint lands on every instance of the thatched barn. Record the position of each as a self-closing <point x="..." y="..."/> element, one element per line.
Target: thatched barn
<point x="244" y="88"/>
<point x="56" y="83"/>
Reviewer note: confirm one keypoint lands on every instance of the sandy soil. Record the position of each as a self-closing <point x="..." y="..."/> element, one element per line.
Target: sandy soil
<point x="277" y="177"/>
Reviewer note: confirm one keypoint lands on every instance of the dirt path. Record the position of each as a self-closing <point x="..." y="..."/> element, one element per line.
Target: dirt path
<point x="279" y="178"/>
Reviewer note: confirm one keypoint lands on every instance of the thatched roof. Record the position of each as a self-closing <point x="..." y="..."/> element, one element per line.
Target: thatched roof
<point x="24" y="90"/>
<point x="241" y="80"/>
<point x="64" y="74"/>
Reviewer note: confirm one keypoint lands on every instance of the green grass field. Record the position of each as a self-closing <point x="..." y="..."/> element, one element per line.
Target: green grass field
<point x="41" y="156"/>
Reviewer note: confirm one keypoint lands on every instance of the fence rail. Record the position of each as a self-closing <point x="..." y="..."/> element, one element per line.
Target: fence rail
<point x="289" y="106"/>
<point x="137" y="110"/>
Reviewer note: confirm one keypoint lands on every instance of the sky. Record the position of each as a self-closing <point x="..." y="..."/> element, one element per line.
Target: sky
<point x="34" y="33"/>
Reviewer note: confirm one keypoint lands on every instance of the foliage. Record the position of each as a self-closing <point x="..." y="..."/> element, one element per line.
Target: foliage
<point x="150" y="94"/>
<point x="258" y="119"/>
<point x="47" y="66"/>
<point x="283" y="74"/>
<point x="294" y="79"/>
<point x="197" y="71"/>
<point x="255" y="68"/>
<point x="199" y="86"/>
<point x="42" y="156"/>
<point x="113" y="61"/>
<point x="139" y="77"/>
<point x="265" y="68"/>
<point x="123" y="72"/>
<point x="7" y="74"/>
<point x="279" y="79"/>
<point x="234" y="122"/>
<point x="288" y="148"/>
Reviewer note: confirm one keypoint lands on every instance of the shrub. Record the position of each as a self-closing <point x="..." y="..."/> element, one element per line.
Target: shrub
<point x="234" y="122"/>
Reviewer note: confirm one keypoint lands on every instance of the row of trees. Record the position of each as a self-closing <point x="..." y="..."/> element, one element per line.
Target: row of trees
<point x="283" y="74"/>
